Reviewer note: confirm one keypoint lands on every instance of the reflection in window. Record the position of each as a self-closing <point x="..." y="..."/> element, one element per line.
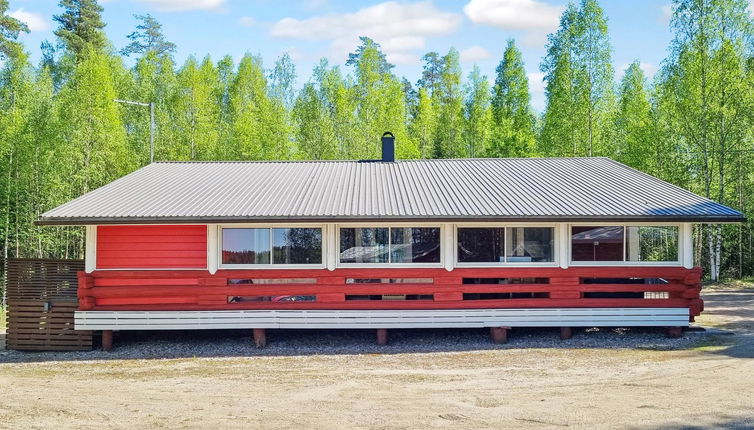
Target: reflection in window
<point x="604" y="243"/>
<point x="364" y="245"/>
<point x="288" y="245"/>
<point x="652" y="243"/>
<point x="481" y="245"/>
<point x="415" y="245"/>
<point x="246" y="246"/>
<point x="529" y="244"/>
<point x="390" y="245"/>
<point x="296" y="246"/>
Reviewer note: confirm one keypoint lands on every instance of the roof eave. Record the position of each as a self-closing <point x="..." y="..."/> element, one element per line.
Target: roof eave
<point x="73" y="221"/>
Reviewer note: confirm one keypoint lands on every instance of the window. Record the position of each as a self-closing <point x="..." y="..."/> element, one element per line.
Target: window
<point x="246" y="246"/>
<point x="603" y="243"/>
<point x="249" y="246"/>
<point x="372" y="245"/>
<point x="624" y="243"/>
<point x="481" y="245"/>
<point x="415" y="245"/>
<point x="529" y="244"/>
<point x="652" y="243"/>
<point x="506" y="245"/>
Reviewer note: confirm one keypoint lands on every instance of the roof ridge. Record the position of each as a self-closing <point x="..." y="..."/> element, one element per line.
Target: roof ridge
<point x="407" y="160"/>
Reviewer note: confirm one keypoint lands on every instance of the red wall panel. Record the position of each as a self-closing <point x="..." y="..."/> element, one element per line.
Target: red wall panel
<point x="152" y="247"/>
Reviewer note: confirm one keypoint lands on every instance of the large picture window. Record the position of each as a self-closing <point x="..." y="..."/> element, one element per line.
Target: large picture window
<point x="624" y="243"/>
<point x="251" y="246"/>
<point x="386" y="245"/>
<point x="506" y="245"/>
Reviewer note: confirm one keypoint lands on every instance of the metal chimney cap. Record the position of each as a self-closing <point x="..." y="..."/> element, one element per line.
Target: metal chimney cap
<point x="388" y="147"/>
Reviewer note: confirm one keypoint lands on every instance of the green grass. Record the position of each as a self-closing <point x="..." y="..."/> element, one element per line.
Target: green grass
<point x="2" y="318"/>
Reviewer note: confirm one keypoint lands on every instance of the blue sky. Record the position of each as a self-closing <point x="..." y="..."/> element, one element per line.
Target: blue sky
<point x="311" y="29"/>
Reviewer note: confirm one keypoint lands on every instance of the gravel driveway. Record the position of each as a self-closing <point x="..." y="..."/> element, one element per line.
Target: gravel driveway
<point x="423" y="379"/>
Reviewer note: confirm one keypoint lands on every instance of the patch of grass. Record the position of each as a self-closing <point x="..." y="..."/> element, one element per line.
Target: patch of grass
<point x="713" y="344"/>
<point x="731" y="284"/>
<point x="2" y="318"/>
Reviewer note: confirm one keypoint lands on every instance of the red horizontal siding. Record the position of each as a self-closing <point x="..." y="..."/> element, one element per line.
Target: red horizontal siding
<point x="152" y="247"/>
<point x="200" y="290"/>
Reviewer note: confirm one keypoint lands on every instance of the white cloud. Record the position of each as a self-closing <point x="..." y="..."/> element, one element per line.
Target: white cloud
<point x="537" y="90"/>
<point x="247" y="21"/>
<point x="35" y="21"/>
<point x="184" y="5"/>
<point x="400" y="28"/>
<point x="531" y="17"/>
<point x="474" y="53"/>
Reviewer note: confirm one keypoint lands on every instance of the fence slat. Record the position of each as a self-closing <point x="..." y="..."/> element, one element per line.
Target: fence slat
<point x="41" y="298"/>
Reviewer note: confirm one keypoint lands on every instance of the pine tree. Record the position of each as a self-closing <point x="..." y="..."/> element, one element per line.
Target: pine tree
<point x="81" y="26"/>
<point x="431" y="73"/>
<point x="512" y="118"/>
<point x="476" y="133"/>
<point x="10" y="28"/>
<point x="148" y="37"/>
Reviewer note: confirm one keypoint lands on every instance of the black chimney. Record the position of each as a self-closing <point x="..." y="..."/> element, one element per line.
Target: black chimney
<point x="388" y="146"/>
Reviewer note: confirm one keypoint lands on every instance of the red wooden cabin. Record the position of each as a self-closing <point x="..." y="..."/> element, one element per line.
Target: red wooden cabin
<point x="566" y="242"/>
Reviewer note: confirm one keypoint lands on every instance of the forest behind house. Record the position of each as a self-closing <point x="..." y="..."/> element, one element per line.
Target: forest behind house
<point x="62" y="134"/>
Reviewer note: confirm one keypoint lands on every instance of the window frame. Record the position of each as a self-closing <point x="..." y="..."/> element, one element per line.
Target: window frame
<point x="677" y="263"/>
<point x="336" y="245"/>
<point x="555" y="245"/>
<point x="271" y="265"/>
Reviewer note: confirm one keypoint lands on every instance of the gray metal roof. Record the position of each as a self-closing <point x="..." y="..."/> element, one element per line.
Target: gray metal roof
<point x="462" y="189"/>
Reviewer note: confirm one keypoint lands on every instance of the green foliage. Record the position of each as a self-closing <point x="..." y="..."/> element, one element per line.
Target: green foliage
<point x="61" y="134"/>
<point x="10" y="28"/>
<point x="148" y="37"/>
<point x="634" y="122"/>
<point x="81" y="26"/>
<point x="512" y="118"/>
<point x="449" y="107"/>
<point x="579" y="90"/>
<point x="478" y="116"/>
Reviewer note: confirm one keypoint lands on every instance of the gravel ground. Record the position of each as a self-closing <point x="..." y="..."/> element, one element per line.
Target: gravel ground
<point x="238" y="343"/>
<point x="428" y="379"/>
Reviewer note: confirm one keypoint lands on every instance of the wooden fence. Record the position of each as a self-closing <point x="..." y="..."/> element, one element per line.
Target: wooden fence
<point x="42" y="299"/>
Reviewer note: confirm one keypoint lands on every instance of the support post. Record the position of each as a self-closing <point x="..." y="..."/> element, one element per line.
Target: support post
<point x="499" y="334"/>
<point x="674" y="332"/>
<point x="381" y="336"/>
<point x="566" y="333"/>
<point x="107" y="340"/>
<point x="260" y="337"/>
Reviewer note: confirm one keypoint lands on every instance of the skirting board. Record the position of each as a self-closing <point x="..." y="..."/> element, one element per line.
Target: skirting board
<point x="370" y="319"/>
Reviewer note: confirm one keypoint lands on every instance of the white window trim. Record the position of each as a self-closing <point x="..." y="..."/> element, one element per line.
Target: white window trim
<point x="556" y="240"/>
<point x="223" y="266"/>
<point x="682" y="240"/>
<point x="336" y="245"/>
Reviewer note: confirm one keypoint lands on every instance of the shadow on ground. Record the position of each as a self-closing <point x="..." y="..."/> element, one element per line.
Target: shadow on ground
<point x="238" y="343"/>
<point x="728" y="310"/>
